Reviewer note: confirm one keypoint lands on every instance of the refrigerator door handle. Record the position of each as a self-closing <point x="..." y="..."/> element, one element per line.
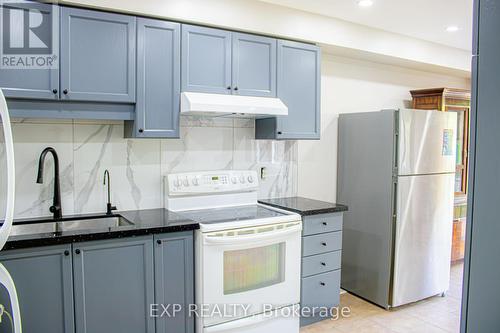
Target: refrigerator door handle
<point x="11" y="174"/>
<point x="5" y="278"/>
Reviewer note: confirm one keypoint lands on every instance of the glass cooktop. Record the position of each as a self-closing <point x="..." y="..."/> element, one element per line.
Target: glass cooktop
<point x="230" y="214"/>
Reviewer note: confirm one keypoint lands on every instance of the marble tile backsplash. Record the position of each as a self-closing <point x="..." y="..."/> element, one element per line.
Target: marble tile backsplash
<point x="137" y="166"/>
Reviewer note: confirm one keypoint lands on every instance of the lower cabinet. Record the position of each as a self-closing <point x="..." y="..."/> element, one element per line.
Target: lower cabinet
<point x="113" y="285"/>
<point x="174" y="281"/>
<point x="44" y="284"/>
<point x="104" y="286"/>
<point x="321" y="260"/>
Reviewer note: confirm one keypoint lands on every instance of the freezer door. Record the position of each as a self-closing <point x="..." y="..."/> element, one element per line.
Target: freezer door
<point x="423" y="237"/>
<point x="427" y="142"/>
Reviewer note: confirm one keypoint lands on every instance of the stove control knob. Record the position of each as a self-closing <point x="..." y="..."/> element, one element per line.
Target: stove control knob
<point x="196" y="182"/>
<point x="250" y="179"/>
<point x="177" y="182"/>
<point x="185" y="182"/>
<point x="242" y="179"/>
<point x="234" y="180"/>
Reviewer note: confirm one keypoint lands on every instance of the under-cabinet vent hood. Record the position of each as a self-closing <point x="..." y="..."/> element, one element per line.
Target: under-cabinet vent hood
<point x="216" y="105"/>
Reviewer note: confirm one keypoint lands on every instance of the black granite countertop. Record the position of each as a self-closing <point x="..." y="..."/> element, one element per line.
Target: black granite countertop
<point x="304" y="206"/>
<point x="151" y="221"/>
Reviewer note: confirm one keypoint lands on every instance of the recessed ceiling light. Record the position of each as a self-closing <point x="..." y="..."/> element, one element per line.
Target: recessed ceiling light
<point x="452" y="28"/>
<point x="365" y="3"/>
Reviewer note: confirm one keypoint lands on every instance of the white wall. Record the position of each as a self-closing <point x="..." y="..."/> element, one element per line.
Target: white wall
<point x="355" y="86"/>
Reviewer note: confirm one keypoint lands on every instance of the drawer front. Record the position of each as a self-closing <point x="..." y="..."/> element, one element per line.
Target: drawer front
<point x="321" y="263"/>
<point x="322" y="243"/>
<point x="321" y="290"/>
<point x="317" y="224"/>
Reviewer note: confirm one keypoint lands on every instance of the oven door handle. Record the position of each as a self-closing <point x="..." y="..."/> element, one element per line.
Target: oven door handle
<point x="227" y="240"/>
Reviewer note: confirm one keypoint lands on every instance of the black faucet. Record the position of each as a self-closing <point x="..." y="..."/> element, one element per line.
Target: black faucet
<point x="56" y="208"/>
<point x="109" y="208"/>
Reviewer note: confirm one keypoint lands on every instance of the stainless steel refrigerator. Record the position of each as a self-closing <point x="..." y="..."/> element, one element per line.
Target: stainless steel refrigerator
<point x="396" y="171"/>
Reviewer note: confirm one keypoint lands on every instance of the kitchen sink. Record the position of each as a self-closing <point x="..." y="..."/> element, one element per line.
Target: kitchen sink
<point x="95" y="222"/>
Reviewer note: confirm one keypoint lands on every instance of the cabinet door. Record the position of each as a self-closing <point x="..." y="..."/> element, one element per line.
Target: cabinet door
<point x="299" y="88"/>
<point x="113" y="285"/>
<point x="31" y="83"/>
<point x="44" y="284"/>
<point x="174" y="281"/>
<point x="97" y="56"/>
<point x="206" y="60"/>
<point x="158" y="78"/>
<point x="254" y="65"/>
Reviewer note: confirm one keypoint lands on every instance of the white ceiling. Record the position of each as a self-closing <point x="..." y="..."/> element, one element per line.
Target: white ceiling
<point x="423" y="19"/>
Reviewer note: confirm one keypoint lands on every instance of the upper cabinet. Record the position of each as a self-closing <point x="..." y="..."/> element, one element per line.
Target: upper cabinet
<point x="254" y="65"/>
<point x="30" y="83"/>
<point x="224" y="62"/>
<point x="206" y="60"/>
<point x="122" y="67"/>
<point x="97" y="56"/>
<point x="96" y="60"/>
<point x="299" y="87"/>
<point x="158" y="80"/>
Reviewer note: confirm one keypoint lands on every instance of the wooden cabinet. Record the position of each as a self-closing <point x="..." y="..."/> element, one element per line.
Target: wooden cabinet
<point x="113" y="285"/>
<point x="225" y="62"/>
<point x="206" y="60"/>
<point x="122" y="67"/>
<point x="299" y="87"/>
<point x="174" y="280"/>
<point x="321" y="258"/>
<point x="44" y="282"/>
<point x="31" y="83"/>
<point x="254" y="65"/>
<point x="97" y="56"/>
<point x="158" y="80"/>
<point x="458" y="101"/>
<point x="104" y="286"/>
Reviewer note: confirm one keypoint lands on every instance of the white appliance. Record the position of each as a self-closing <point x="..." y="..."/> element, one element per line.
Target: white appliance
<point x="397" y="172"/>
<point x="5" y="278"/>
<point x="245" y="253"/>
<point x="193" y="103"/>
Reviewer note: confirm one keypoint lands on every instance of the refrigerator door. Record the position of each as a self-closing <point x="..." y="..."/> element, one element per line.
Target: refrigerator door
<point x="5" y="278"/>
<point x="422" y="249"/>
<point x="427" y="142"/>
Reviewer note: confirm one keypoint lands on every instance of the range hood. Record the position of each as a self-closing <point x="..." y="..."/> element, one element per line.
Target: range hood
<point x="215" y="105"/>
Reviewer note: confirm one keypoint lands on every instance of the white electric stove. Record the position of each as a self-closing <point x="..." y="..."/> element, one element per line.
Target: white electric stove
<point x="247" y="255"/>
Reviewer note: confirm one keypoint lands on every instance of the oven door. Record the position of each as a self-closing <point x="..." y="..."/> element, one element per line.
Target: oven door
<point x="244" y="270"/>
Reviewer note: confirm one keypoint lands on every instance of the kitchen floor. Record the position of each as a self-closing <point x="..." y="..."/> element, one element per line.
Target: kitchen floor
<point x="433" y="315"/>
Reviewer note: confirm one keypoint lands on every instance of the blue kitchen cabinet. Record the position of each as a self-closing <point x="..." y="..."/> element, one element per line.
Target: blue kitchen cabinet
<point x="98" y="56"/>
<point x="206" y="60"/>
<point x="44" y="282"/>
<point x="174" y="280"/>
<point x="299" y="75"/>
<point x="321" y="263"/>
<point x="254" y="65"/>
<point x="158" y="80"/>
<point x="225" y="62"/>
<point x="31" y="83"/>
<point x="114" y="285"/>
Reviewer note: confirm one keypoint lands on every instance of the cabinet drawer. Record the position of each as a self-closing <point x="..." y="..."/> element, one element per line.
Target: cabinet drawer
<point x="322" y="243"/>
<point x="317" y="224"/>
<point x="321" y="263"/>
<point x="321" y="290"/>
